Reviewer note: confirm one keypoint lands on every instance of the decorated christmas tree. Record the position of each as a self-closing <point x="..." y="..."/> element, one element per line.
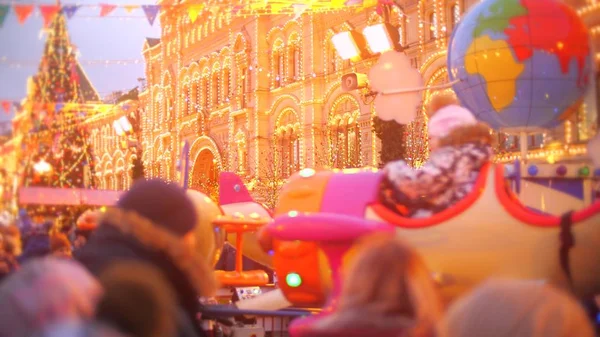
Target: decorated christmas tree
<point x="56" y="151"/>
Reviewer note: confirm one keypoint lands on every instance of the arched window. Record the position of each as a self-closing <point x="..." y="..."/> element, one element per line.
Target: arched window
<point x="287" y="140"/>
<point x="245" y="86"/>
<point x="344" y="133"/>
<point x="119" y="182"/>
<point x="156" y="112"/>
<point x="331" y="58"/>
<point x="216" y="88"/>
<point x="194" y="95"/>
<point x="433" y="33"/>
<point x="226" y="74"/>
<point x="294" y="58"/>
<point x="110" y="182"/>
<point x="187" y="99"/>
<point x="168" y="108"/>
<point x="205" y="92"/>
<point x="277" y="64"/>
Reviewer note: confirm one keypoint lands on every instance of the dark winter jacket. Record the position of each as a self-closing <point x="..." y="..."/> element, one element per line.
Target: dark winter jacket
<point x="36" y="245"/>
<point x="108" y="245"/>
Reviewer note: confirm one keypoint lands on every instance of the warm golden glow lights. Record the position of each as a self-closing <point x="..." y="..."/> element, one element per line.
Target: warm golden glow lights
<point x="346" y="46"/>
<point x="378" y="38"/>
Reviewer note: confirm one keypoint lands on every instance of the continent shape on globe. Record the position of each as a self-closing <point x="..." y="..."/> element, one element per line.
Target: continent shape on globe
<point x="529" y="25"/>
<point x="501" y="91"/>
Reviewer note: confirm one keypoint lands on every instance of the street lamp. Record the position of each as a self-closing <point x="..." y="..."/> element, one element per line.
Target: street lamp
<point x="125" y="124"/>
<point x="118" y="129"/>
<point x="382" y="37"/>
<point x="350" y="45"/>
<point x="122" y="126"/>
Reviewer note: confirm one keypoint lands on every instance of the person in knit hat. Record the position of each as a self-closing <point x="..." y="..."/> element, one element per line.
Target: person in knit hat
<point x="517" y="308"/>
<point x="460" y="146"/>
<point x="44" y="292"/>
<point x="154" y="223"/>
<point x="60" y="246"/>
<point x="85" y="226"/>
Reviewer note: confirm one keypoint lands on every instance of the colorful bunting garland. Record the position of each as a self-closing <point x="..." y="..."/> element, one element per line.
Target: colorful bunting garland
<point x="23" y="12"/>
<point x="252" y="7"/>
<point x="151" y="12"/>
<point x="70" y="10"/>
<point x="194" y="11"/>
<point x="6" y="106"/>
<point x="106" y="9"/>
<point x="131" y="8"/>
<point x="48" y="13"/>
<point x="3" y="13"/>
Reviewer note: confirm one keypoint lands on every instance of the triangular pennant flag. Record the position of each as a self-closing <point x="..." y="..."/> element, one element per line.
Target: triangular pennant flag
<point x="3" y="12"/>
<point x="131" y="8"/>
<point x="299" y="9"/>
<point x="277" y="8"/>
<point x="70" y="10"/>
<point x="151" y="11"/>
<point x="337" y="4"/>
<point x="236" y="9"/>
<point x="194" y="11"/>
<point x="23" y="12"/>
<point x="370" y="3"/>
<point x="6" y="106"/>
<point x="48" y="13"/>
<point x="106" y="9"/>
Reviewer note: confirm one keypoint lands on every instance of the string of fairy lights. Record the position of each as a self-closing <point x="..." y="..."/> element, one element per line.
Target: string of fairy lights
<point x="200" y="94"/>
<point x="291" y="72"/>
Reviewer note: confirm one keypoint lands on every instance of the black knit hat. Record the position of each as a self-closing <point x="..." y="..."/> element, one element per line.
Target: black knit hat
<point x="163" y="203"/>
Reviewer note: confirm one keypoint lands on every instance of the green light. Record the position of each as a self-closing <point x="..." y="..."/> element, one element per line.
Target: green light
<point x="293" y="280"/>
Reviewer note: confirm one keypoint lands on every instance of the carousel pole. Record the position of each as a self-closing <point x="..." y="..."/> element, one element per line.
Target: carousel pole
<point x="523" y="144"/>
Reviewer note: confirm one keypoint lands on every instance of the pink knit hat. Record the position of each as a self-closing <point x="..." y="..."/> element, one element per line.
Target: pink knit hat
<point x="447" y="119"/>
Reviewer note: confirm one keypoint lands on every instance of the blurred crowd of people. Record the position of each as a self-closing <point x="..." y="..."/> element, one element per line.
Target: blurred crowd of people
<point x="134" y="270"/>
<point x="128" y="271"/>
<point x="138" y="275"/>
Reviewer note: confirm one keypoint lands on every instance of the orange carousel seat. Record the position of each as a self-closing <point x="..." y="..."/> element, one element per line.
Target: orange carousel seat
<point x="487" y="234"/>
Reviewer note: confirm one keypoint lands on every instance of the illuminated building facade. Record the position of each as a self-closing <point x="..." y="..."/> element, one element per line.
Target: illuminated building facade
<point x="113" y="160"/>
<point x="261" y="95"/>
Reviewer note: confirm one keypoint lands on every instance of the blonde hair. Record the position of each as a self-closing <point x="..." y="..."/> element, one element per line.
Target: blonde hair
<point x="388" y="286"/>
<point x="517" y="308"/>
<point x="441" y="100"/>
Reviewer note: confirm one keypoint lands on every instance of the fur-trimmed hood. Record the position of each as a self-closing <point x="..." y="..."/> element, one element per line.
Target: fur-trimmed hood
<point x="126" y="235"/>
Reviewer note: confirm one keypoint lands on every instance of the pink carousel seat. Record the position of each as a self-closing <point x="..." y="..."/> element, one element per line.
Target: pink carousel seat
<point x="334" y="234"/>
<point x="323" y="227"/>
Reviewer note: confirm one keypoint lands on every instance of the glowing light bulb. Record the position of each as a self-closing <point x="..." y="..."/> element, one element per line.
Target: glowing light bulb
<point x="293" y="280"/>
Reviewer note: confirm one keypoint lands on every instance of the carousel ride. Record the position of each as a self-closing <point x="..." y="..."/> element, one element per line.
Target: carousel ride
<point x="490" y="233"/>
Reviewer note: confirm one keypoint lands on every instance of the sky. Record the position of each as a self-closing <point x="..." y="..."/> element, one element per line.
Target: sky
<point x="120" y="36"/>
